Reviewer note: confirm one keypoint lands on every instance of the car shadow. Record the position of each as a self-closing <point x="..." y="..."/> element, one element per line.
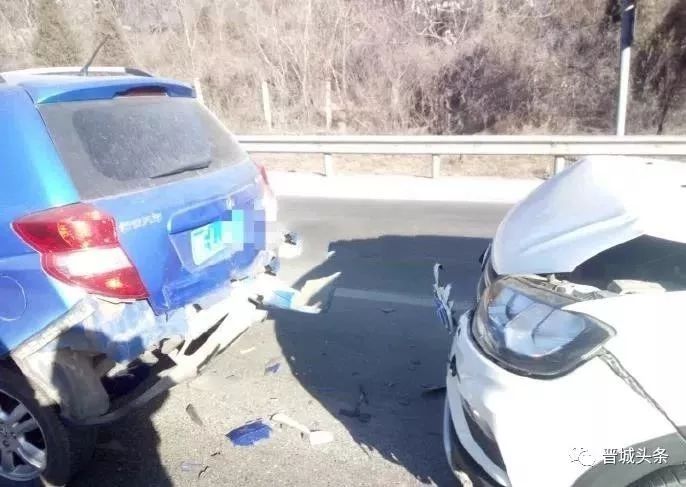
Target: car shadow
<point x="126" y="451"/>
<point x="385" y="361"/>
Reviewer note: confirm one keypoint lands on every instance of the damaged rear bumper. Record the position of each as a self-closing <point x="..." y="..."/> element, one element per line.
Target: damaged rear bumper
<point x="98" y="339"/>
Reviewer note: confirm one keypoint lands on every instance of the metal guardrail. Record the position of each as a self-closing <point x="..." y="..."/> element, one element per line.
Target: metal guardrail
<point x="558" y="147"/>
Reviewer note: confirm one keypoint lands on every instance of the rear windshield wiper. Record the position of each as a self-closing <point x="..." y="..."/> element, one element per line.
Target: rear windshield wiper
<point x="180" y="169"/>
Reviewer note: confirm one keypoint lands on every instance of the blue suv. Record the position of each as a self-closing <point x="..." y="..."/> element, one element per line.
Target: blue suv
<point x="136" y="242"/>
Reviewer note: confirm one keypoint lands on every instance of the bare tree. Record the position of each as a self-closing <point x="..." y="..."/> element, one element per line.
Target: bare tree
<point x="116" y="50"/>
<point x="54" y="43"/>
<point x="440" y="66"/>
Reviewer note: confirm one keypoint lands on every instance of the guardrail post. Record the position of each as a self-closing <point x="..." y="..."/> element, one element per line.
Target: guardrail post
<point x="559" y="164"/>
<point x="327" y="103"/>
<point x="435" y="166"/>
<point x="198" y="91"/>
<point x="266" y="105"/>
<point x="328" y="165"/>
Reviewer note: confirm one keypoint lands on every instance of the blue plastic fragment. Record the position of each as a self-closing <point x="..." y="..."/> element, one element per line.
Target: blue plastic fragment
<point x="272" y="367"/>
<point x="281" y="298"/>
<point x="249" y="434"/>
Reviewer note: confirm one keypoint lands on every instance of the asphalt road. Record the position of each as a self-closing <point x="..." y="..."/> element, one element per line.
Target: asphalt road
<point x="379" y="334"/>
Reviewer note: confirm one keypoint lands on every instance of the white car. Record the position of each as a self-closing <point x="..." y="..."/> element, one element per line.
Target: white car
<point x="570" y="368"/>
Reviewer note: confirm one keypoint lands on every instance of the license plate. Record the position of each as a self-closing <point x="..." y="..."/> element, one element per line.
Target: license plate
<point x="209" y="240"/>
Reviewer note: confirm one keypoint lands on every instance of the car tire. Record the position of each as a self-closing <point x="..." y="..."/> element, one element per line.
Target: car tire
<point x="671" y="476"/>
<point x="66" y="449"/>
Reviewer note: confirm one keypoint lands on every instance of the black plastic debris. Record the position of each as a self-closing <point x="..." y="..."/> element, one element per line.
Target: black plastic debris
<point x="363" y="399"/>
<point x="357" y="412"/>
<point x="433" y="392"/>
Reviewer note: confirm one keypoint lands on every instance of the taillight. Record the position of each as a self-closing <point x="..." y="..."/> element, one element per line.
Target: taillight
<point x="268" y="200"/>
<point x="79" y="246"/>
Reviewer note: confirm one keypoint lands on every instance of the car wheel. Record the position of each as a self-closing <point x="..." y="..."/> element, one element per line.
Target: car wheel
<point x="671" y="476"/>
<point x="35" y="446"/>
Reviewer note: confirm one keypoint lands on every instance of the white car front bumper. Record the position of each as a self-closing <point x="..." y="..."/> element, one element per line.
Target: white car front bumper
<point x="517" y="431"/>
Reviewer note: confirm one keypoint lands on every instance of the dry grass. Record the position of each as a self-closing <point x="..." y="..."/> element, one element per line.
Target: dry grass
<point x="504" y="166"/>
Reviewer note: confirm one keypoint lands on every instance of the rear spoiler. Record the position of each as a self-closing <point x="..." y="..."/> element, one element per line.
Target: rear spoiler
<point x="84" y="88"/>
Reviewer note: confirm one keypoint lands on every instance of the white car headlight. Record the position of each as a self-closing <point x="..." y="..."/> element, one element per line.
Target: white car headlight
<point x="523" y="328"/>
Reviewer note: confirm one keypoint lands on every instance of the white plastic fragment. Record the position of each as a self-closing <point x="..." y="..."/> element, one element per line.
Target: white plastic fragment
<point x="315" y="437"/>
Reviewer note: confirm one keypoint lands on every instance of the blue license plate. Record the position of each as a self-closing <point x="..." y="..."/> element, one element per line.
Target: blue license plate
<point x="209" y="240"/>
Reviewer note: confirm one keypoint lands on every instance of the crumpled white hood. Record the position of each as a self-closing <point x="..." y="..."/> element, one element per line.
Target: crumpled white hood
<point x="594" y="205"/>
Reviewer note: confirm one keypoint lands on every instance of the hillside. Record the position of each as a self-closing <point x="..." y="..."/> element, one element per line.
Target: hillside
<point x="389" y="66"/>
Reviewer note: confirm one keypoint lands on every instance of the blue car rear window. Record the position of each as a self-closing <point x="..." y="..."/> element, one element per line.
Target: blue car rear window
<point x="130" y="143"/>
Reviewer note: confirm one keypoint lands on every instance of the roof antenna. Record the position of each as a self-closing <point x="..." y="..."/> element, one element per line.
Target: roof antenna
<point x="84" y="70"/>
